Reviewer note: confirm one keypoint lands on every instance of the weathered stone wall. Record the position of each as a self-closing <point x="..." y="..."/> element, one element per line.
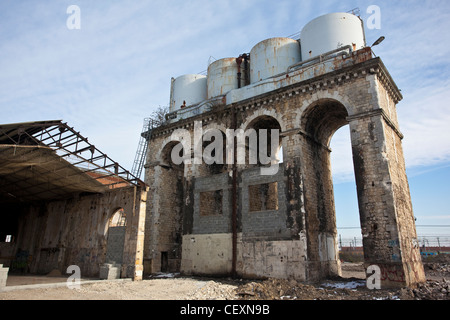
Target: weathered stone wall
<point x="294" y="235"/>
<point x="61" y="233"/>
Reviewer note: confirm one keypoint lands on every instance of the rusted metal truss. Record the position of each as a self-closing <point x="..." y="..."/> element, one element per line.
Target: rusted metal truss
<point x="69" y="147"/>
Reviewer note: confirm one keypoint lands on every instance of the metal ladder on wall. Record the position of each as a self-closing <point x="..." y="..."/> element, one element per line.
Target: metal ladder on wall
<point x="141" y="152"/>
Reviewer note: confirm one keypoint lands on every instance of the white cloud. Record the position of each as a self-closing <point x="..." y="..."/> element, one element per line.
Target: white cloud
<point x="108" y="76"/>
<point x="424" y="119"/>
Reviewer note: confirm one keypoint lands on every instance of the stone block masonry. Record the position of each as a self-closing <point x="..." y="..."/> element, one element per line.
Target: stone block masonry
<point x="207" y="220"/>
<point x="68" y="232"/>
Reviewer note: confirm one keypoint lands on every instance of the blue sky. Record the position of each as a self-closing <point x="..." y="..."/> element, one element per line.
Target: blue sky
<point x="106" y="77"/>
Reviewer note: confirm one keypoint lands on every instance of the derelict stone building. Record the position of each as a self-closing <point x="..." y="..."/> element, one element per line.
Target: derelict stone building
<point x="65" y="203"/>
<point x="228" y="218"/>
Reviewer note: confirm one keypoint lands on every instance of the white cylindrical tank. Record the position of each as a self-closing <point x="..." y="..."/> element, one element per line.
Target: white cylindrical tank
<point x="331" y="31"/>
<point x="189" y="88"/>
<point x="273" y="56"/>
<point x="222" y="77"/>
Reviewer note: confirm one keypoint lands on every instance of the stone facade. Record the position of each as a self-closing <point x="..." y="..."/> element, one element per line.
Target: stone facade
<point x="294" y="234"/>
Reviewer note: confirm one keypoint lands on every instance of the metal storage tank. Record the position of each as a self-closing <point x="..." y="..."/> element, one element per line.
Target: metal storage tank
<point x="273" y="56"/>
<point x="222" y="77"/>
<point x="331" y="31"/>
<point x="190" y="88"/>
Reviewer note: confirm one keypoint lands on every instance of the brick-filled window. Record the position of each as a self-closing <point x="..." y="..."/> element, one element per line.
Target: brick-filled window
<point x="263" y="197"/>
<point x="211" y="203"/>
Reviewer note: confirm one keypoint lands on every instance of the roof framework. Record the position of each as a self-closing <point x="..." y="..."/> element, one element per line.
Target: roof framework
<point x="50" y="160"/>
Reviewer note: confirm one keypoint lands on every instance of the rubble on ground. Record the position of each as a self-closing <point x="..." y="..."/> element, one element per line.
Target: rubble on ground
<point x="213" y="290"/>
<point x="279" y="289"/>
<point x="431" y="290"/>
<point x="435" y="268"/>
<point x="437" y="287"/>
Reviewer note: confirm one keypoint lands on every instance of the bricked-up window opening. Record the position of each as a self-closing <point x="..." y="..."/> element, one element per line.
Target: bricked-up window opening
<point x="263" y="197"/>
<point x="211" y="203"/>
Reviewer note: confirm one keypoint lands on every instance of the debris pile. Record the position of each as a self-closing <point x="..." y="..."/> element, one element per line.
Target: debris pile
<point x="276" y="289"/>
<point x="279" y="289"/>
<point x="212" y="290"/>
<point x="434" y="268"/>
<point x="431" y="290"/>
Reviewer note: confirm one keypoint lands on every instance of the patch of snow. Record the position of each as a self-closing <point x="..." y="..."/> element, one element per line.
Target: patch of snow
<point x="165" y="275"/>
<point x="345" y="285"/>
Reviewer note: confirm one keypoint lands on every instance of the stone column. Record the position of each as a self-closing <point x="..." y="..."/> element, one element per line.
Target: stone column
<point x="134" y="242"/>
<point x="387" y="221"/>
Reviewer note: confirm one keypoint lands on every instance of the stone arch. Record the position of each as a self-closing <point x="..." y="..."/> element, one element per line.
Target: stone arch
<point x="116" y="236"/>
<point x="214" y="151"/>
<point x="118" y="218"/>
<point x="262" y="121"/>
<point x="322" y="96"/>
<point x="264" y="113"/>
<point x="319" y="121"/>
<point x="322" y="118"/>
<point x="171" y="186"/>
<point x="163" y="156"/>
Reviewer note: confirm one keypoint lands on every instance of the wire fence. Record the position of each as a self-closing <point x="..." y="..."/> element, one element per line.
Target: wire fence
<point x="424" y="241"/>
<point x="428" y="236"/>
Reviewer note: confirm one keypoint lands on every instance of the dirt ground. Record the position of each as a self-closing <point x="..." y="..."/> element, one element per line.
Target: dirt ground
<point x="352" y="286"/>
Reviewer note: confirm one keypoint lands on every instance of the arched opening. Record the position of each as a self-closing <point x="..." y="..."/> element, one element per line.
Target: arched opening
<point x="171" y="197"/>
<point x="213" y="152"/>
<point x="263" y="142"/>
<point x="116" y="236"/>
<point x="320" y="122"/>
<point x="346" y="200"/>
<point x="262" y="187"/>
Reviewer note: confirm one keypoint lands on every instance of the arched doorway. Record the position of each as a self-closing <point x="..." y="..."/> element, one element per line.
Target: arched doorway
<point x="116" y="237"/>
<point x="170" y="219"/>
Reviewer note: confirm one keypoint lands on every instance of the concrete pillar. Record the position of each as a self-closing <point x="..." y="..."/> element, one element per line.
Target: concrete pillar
<point x="110" y="271"/>
<point x="3" y="276"/>
<point x="132" y="266"/>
